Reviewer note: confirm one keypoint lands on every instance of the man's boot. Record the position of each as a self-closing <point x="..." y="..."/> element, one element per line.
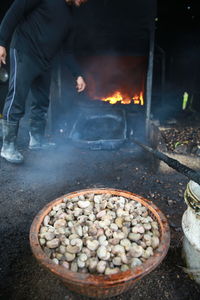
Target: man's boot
<point x="8" y="150"/>
<point x="37" y="131"/>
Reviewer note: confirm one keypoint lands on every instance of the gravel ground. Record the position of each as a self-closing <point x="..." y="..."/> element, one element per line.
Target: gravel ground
<point x="43" y="177"/>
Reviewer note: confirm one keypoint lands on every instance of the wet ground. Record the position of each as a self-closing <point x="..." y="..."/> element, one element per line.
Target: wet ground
<point x="44" y="176"/>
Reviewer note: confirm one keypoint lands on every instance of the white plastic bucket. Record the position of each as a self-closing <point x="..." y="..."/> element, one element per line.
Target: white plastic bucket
<point x="191" y="229"/>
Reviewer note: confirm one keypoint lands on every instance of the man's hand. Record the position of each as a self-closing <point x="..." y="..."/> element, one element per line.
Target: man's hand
<point x="81" y="85"/>
<point x="3" y="55"/>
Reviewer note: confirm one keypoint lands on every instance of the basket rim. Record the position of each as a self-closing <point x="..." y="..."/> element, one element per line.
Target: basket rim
<point x="95" y="279"/>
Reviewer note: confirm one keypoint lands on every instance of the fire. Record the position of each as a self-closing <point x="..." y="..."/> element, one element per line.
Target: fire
<point x="118" y="97"/>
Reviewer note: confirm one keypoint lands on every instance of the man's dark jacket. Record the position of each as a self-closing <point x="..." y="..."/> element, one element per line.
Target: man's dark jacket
<point x="40" y="28"/>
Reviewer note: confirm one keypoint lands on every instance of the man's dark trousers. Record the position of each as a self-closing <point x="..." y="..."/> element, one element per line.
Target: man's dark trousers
<point x="26" y="74"/>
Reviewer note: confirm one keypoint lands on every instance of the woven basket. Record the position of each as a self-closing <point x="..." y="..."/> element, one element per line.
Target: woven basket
<point x="102" y="286"/>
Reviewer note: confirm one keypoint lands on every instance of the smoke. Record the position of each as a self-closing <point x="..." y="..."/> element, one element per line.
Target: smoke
<point x="59" y="171"/>
<point x="106" y="74"/>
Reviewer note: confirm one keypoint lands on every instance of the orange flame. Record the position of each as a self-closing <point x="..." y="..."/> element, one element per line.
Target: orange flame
<point x="118" y="97"/>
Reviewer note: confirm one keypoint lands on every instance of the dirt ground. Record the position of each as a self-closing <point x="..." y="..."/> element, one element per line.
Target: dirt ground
<point x="43" y="177"/>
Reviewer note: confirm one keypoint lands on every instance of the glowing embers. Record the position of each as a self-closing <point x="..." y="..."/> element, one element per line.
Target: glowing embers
<point x="118" y="97"/>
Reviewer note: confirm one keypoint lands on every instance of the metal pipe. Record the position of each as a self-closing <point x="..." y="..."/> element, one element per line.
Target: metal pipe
<point x="149" y="81"/>
<point x="173" y="163"/>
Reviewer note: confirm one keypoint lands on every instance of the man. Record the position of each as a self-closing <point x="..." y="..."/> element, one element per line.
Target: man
<point x="38" y="28"/>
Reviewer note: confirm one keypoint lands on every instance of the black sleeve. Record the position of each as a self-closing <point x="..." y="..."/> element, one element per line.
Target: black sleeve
<point x="69" y="56"/>
<point x="18" y="9"/>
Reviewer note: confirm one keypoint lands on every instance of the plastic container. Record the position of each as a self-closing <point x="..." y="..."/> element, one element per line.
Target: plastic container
<point x="191" y="229"/>
<point x="102" y="286"/>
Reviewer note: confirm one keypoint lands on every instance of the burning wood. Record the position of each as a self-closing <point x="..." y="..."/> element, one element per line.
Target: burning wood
<point x="173" y="163"/>
<point x="118" y="97"/>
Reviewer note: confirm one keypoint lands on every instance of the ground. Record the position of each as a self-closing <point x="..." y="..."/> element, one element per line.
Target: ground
<point x="25" y="189"/>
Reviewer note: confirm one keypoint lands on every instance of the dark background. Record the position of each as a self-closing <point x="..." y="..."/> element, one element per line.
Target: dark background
<point x="124" y="27"/>
<point x="107" y="25"/>
<point x="177" y="20"/>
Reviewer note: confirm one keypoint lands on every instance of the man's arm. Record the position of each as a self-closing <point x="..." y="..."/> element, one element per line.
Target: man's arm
<point x="72" y="63"/>
<point x="18" y="9"/>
